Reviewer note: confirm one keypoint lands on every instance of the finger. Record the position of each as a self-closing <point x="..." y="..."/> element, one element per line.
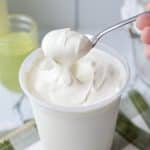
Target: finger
<point x="143" y="21"/>
<point x="145" y="35"/>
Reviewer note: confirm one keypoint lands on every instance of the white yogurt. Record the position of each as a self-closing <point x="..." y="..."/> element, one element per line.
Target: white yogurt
<point x="71" y="74"/>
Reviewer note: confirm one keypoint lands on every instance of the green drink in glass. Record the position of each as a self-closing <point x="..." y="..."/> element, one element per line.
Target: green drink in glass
<point x="14" y="47"/>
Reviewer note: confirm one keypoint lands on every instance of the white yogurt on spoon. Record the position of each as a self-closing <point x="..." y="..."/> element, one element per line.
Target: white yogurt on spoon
<point x="65" y="46"/>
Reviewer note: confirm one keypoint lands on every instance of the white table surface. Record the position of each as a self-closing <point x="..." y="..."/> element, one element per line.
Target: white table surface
<point x="37" y="146"/>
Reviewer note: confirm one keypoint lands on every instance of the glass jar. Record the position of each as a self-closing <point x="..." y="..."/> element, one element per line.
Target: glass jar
<point x="141" y="63"/>
<point x="15" y="45"/>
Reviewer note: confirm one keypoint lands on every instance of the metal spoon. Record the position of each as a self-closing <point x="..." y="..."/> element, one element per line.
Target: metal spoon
<point x="97" y="37"/>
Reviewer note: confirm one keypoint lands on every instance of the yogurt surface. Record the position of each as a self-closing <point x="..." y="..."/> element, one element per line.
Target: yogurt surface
<point x="70" y="73"/>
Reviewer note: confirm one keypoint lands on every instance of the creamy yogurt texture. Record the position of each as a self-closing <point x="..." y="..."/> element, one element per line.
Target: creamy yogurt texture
<point x="70" y="73"/>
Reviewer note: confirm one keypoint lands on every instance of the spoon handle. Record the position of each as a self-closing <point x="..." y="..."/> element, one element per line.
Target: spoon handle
<point x="122" y="23"/>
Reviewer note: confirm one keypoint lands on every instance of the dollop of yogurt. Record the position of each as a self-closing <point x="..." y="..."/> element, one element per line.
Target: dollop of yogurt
<point x="65" y="46"/>
<point x="70" y="73"/>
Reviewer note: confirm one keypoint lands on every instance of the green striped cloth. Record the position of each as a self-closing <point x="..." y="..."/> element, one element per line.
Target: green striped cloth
<point x="20" y="138"/>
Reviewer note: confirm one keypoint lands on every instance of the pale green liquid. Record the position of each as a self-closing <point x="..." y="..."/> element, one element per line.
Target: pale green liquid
<point x="14" y="47"/>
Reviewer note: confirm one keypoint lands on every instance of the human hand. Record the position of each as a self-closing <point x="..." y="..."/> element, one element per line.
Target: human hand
<point x="143" y="23"/>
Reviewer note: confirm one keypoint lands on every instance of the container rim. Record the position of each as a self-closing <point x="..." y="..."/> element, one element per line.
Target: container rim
<point x="77" y="109"/>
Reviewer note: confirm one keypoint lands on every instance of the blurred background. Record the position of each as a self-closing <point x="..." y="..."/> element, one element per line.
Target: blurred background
<point x="88" y="17"/>
<point x="77" y="14"/>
